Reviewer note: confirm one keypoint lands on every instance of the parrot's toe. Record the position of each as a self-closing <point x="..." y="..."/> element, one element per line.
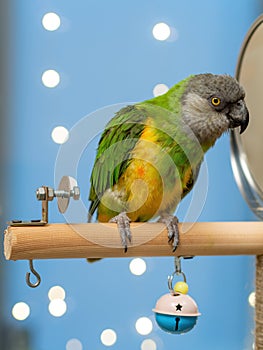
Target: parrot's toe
<point x="123" y="223"/>
<point x="171" y="223"/>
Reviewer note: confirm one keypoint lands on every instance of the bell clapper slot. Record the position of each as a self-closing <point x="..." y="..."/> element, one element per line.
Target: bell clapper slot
<point x="177" y="320"/>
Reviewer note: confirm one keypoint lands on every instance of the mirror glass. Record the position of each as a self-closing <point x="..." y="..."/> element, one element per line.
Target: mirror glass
<point x="247" y="158"/>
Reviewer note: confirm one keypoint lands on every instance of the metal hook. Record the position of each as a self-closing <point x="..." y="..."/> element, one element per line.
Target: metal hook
<point x="177" y="265"/>
<point x="178" y="271"/>
<point x="35" y="273"/>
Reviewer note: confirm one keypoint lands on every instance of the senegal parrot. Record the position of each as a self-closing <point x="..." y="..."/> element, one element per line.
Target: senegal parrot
<point x="149" y="154"/>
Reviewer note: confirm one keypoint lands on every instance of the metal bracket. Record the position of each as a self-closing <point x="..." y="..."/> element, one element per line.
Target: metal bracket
<point x="67" y="188"/>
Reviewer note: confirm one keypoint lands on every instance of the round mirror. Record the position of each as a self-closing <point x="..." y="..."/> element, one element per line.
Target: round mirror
<point x="246" y="149"/>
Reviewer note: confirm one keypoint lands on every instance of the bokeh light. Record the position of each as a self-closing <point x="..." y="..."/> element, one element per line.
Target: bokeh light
<point x="108" y="337"/>
<point x="50" y="78"/>
<point x="161" y="31"/>
<point x="57" y="307"/>
<point x="148" y="344"/>
<point x="56" y="292"/>
<point x="51" y="21"/>
<point x="252" y="299"/>
<point x="60" y="134"/>
<point x="160" y="89"/>
<point x="74" y="344"/>
<point x="20" y="311"/>
<point x="144" y="325"/>
<point x="137" y="266"/>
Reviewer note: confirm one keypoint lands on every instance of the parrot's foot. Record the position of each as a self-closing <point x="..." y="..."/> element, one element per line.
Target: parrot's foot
<point x="123" y="222"/>
<point x="171" y="223"/>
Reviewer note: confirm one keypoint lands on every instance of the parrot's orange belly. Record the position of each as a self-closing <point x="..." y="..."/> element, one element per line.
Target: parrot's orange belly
<point x="141" y="192"/>
<point x="148" y="187"/>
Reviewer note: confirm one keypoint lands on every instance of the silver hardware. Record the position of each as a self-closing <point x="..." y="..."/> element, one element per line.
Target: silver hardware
<point x="178" y="271"/>
<point x="35" y="273"/>
<point x="41" y="194"/>
<point x="67" y="189"/>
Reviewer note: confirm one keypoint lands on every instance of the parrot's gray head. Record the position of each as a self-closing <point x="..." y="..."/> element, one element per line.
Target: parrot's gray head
<point x="212" y="104"/>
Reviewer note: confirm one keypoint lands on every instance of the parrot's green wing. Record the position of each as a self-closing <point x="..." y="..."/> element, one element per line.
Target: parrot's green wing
<point x="113" y="155"/>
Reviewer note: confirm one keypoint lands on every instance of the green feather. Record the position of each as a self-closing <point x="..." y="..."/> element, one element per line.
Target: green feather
<point x="171" y="100"/>
<point x="163" y="114"/>
<point x="117" y="141"/>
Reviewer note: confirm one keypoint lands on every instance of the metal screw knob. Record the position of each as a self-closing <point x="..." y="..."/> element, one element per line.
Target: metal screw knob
<point x="74" y="193"/>
<point x="67" y="189"/>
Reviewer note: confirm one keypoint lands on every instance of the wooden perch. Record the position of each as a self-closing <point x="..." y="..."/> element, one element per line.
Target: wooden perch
<point x="99" y="240"/>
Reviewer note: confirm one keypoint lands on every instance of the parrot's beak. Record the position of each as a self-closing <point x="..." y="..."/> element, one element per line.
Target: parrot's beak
<point x="245" y="121"/>
<point x="239" y="116"/>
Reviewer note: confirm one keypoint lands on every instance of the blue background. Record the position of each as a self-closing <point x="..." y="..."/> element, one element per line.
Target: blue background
<point x="106" y="54"/>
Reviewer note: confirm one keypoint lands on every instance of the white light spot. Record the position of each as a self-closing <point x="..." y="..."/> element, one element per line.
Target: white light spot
<point x="57" y="307"/>
<point x="108" y="337"/>
<point x="60" y="134"/>
<point x="20" y="311"/>
<point x="56" y="292"/>
<point x="160" y="89"/>
<point x="51" y="21"/>
<point x="252" y="299"/>
<point x="137" y="266"/>
<point x="148" y="344"/>
<point x="161" y="31"/>
<point x="74" y="344"/>
<point x="144" y="325"/>
<point x="50" y="78"/>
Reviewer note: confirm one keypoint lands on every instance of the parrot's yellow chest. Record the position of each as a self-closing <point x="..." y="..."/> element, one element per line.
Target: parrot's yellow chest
<point x="149" y="186"/>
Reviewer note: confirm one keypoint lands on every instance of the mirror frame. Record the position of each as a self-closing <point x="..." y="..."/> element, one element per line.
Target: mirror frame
<point x="243" y="176"/>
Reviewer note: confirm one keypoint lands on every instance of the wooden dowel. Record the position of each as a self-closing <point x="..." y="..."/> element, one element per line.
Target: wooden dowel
<point x="99" y="240"/>
<point x="149" y="239"/>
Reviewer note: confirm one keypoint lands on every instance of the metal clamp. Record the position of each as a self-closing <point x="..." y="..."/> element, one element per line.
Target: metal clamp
<point x="67" y="189"/>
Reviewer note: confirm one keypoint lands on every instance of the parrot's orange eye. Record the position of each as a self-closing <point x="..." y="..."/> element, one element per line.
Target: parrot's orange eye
<point x="215" y="101"/>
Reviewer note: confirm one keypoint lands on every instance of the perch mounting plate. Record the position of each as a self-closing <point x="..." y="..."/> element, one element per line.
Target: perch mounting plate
<point x="67" y="188"/>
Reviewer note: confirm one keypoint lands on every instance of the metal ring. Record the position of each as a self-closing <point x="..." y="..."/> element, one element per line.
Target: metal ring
<point x="171" y="277"/>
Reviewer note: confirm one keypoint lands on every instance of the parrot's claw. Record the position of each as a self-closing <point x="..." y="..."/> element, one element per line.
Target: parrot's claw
<point x="123" y="223"/>
<point x="171" y="223"/>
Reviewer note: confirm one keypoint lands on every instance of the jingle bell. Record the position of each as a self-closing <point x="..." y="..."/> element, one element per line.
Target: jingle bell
<point x="176" y="312"/>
